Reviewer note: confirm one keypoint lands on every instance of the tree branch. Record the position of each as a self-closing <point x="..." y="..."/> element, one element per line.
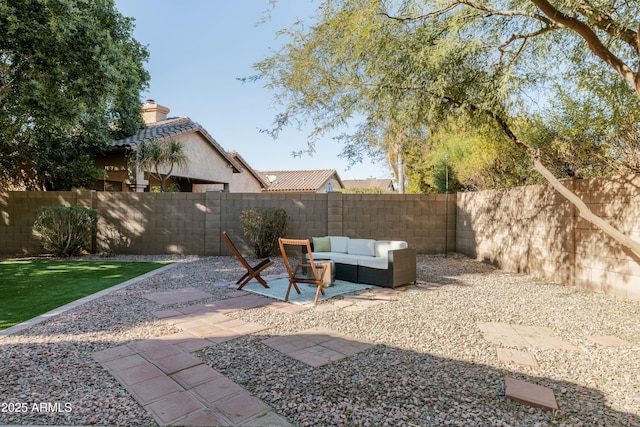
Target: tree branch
<point x="595" y="45"/>
<point x="604" y="22"/>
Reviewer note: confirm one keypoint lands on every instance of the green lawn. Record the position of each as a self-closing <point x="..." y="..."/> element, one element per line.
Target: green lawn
<point x="31" y="288"/>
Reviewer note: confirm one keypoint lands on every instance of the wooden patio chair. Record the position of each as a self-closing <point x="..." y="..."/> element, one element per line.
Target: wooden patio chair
<point x="252" y="272"/>
<point x="299" y="268"/>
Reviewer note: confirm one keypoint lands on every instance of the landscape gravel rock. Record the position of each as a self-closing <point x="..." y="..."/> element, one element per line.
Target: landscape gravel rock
<point x="430" y="364"/>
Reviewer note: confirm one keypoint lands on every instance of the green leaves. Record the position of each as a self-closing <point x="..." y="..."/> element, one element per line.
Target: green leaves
<point x="159" y="157"/>
<point x="405" y="70"/>
<point x="70" y="77"/>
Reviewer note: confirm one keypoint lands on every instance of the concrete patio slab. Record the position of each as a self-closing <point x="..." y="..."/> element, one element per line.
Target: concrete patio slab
<point x="530" y="394"/>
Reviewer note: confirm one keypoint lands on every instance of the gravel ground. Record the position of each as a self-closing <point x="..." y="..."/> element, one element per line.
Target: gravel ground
<point x="430" y="364"/>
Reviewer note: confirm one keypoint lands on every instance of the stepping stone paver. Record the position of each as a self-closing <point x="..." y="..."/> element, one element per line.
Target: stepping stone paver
<point x="241" y="407"/>
<point x="610" y="341"/>
<point x="196" y="375"/>
<point x="153" y="389"/>
<point x="530" y="394"/>
<point x="217" y="389"/>
<point x="124" y="362"/>
<point x="516" y="356"/>
<point x="173" y="407"/>
<point x="113" y="353"/>
<point x="177" y="362"/>
<point x="317" y="346"/>
<point x="523" y="336"/>
<point x="204" y="417"/>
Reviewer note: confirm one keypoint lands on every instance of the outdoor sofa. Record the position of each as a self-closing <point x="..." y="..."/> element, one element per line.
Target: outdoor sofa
<point x="386" y="263"/>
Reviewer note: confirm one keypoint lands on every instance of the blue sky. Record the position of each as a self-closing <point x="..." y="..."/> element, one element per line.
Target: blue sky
<point x="198" y="49"/>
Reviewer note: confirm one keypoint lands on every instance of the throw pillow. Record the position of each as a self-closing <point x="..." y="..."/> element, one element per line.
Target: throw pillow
<point x="321" y="244"/>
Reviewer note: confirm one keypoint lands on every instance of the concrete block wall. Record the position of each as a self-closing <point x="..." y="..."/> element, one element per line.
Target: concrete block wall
<point x="602" y="264"/>
<point x="536" y="231"/>
<point x="151" y="223"/>
<point x="419" y="218"/>
<point x="192" y="223"/>
<point x="19" y="210"/>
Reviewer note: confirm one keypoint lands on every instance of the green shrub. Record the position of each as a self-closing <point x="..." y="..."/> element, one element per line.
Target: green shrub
<point x="66" y="230"/>
<point x="262" y="227"/>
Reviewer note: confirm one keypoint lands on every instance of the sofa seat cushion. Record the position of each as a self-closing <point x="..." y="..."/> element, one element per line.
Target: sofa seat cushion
<point x="379" y="263"/>
<point x="365" y="247"/>
<point x="336" y="257"/>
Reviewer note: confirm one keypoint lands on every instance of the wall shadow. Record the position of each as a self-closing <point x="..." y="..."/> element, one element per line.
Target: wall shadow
<point x="415" y="384"/>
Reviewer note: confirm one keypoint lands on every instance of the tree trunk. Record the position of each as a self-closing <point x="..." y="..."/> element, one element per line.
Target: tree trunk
<point x="584" y="211"/>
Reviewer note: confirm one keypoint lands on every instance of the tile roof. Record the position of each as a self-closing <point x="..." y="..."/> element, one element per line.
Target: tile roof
<point x="299" y="180"/>
<point x="169" y="128"/>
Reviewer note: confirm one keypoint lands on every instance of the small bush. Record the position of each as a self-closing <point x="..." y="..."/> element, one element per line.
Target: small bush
<point x="262" y="227"/>
<point x="66" y="230"/>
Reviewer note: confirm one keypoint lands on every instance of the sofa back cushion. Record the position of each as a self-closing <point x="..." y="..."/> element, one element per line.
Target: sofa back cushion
<point x="339" y="244"/>
<point x="321" y="244"/>
<point x="362" y="247"/>
<point x="384" y="246"/>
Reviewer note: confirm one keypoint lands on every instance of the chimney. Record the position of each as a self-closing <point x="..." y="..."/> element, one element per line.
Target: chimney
<point x="152" y="112"/>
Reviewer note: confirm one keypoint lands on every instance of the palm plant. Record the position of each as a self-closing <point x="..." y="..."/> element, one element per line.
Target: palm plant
<point x="156" y="155"/>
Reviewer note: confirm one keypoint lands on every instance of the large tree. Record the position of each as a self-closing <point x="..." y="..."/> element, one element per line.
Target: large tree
<point x="70" y="78"/>
<point x="403" y="68"/>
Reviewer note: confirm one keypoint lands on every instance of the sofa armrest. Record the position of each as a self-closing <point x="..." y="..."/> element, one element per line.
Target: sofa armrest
<point x="402" y="263"/>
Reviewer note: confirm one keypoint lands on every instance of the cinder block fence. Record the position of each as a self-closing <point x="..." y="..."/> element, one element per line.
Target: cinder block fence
<point x="528" y="229"/>
<point x="192" y="223"/>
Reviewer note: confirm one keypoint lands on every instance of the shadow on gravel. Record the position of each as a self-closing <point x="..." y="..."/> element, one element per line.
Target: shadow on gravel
<point x="385" y="385"/>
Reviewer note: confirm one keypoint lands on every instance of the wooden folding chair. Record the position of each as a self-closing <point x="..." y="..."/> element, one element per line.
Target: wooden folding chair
<point x="301" y="269"/>
<point x="252" y="272"/>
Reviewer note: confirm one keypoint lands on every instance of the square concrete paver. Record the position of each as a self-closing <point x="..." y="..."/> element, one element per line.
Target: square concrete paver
<point x="530" y="394"/>
<point x="154" y="389"/>
<point x="317" y="346"/>
<point x="241" y="407"/>
<point x="523" y="336"/>
<point x="177" y="362"/>
<point x="204" y="417"/>
<point x="177" y="296"/>
<point x="516" y="356"/>
<point x="196" y="375"/>
<point x="217" y="389"/>
<point x="113" y="353"/>
<point x="125" y="362"/>
<point x="610" y="341"/>
<point x="138" y="374"/>
<point x="174" y="407"/>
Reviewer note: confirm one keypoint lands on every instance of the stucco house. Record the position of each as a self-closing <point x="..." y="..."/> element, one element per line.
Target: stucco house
<point x="302" y="181"/>
<point x="370" y="184"/>
<point x="209" y="168"/>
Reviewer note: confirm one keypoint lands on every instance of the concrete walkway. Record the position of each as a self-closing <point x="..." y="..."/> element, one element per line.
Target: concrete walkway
<point x="177" y="388"/>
